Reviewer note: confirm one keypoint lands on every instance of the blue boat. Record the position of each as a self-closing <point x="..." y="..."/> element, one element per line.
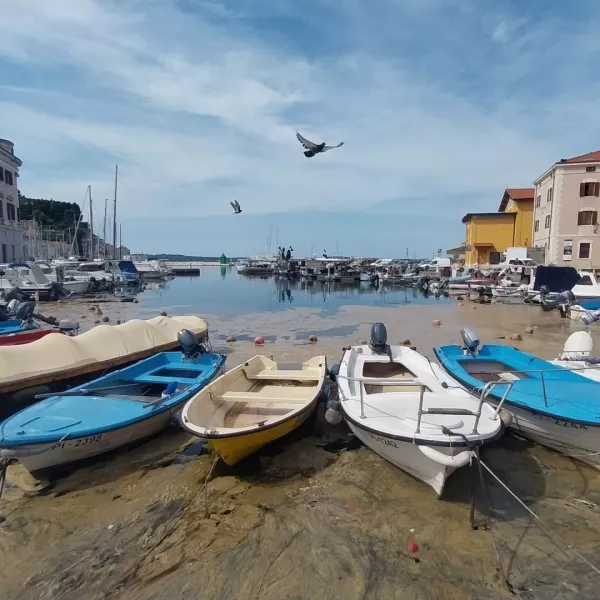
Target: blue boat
<point x="16" y="326"/>
<point x="547" y="403"/>
<point x="125" y="406"/>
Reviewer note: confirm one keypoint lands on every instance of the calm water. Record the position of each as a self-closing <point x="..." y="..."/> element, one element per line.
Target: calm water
<point x="222" y="292"/>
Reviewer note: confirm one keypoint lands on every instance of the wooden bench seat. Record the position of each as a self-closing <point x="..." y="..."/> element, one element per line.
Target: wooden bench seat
<point x="262" y="398"/>
<point x="282" y="374"/>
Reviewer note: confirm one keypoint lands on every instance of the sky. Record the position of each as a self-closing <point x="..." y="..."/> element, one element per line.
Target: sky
<point x="442" y="104"/>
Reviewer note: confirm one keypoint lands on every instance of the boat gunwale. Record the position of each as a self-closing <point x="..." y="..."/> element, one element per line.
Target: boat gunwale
<point x="237" y="432"/>
<point x="498" y="397"/>
<point x="158" y="408"/>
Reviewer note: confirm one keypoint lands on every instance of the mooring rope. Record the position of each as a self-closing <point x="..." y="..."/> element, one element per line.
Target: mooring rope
<point x="535" y="516"/>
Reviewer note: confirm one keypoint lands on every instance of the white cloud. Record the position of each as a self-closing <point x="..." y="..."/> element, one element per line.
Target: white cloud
<point x="200" y="106"/>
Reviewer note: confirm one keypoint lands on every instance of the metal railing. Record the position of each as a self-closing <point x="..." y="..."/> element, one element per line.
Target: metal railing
<point x="487" y="388"/>
<point x="422" y="388"/>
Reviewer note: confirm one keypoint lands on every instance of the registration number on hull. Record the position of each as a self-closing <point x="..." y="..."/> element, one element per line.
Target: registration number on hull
<point x="78" y="442"/>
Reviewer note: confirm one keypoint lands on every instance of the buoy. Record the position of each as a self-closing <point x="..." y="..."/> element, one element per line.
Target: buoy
<point x="413" y="547"/>
<point x="313" y="339"/>
<point x="333" y="417"/>
<point x="259" y="340"/>
<point x="436" y="323"/>
<point x="230" y="339"/>
<point x="163" y="313"/>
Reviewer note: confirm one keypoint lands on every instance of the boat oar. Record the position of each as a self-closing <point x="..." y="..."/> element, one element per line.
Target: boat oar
<point x="84" y="391"/>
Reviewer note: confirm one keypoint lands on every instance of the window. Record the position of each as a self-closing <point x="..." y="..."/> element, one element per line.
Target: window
<point x="549" y="195"/>
<point x="4" y="255"/>
<point x="1" y="210"/>
<point x="590" y="169"/>
<point x="547" y="222"/>
<point x="8" y="177"/>
<point x="537" y="225"/>
<point x="538" y="201"/>
<point x="584" y="249"/>
<point x="494" y="258"/>
<point x="1" y="174"/>
<point x="14" y="256"/>
<point x="10" y="212"/>
<point x="587" y="217"/>
<point x="585" y="280"/>
<point x="590" y="188"/>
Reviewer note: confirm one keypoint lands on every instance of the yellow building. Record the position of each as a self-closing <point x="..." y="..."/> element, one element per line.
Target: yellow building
<point x="488" y="235"/>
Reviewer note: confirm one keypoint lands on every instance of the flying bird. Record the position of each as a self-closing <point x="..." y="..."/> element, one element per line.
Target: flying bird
<point x="236" y="207"/>
<point x="312" y="148"/>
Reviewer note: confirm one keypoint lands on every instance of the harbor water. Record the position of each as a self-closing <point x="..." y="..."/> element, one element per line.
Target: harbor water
<point x="316" y="514"/>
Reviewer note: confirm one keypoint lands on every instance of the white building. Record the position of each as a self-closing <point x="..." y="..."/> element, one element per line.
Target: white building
<point x="11" y="235"/>
<point x="566" y="206"/>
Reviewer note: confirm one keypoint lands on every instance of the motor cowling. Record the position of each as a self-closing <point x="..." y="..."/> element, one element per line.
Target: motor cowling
<point x="470" y="339"/>
<point x="378" y="337"/>
<point x="190" y="346"/>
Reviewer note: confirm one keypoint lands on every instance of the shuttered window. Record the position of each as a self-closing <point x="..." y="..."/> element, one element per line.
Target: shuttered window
<point x="587" y="217"/>
<point x="591" y="188"/>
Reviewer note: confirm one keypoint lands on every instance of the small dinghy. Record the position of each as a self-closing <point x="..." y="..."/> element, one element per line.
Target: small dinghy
<point x="407" y="410"/>
<point x="549" y="404"/>
<point x="254" y="404"/>
<point x="117" y="409"/>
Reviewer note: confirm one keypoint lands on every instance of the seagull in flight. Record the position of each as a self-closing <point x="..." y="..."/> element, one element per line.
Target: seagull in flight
<point x="312" y="148"/>
<point x="236" y="207"/>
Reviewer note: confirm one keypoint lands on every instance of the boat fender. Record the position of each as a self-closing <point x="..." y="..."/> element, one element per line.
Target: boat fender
<point x="460" y="460"/>
<point x="170" y="390"/>
<point x="333" y="416"/>
<point x="333" y="372"/>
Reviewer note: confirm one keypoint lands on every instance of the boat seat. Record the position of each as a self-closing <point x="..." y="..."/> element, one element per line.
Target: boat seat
<point x="283" y="374"/>
<point x="259" y="398"/>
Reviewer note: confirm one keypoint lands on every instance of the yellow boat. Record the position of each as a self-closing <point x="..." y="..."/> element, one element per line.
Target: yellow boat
<point x="254" y="404"/>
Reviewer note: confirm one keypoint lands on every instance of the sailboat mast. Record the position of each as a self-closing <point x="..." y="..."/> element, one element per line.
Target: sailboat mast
<point x="115" y="214"/>
<point x="120" y="240"/>
<point x="104" y="232"/>
<point x="91" y="226"/>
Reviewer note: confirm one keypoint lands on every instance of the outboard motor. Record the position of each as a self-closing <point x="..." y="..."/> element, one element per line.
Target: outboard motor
<point x="25" y="311"/>
<point x="578" y="346"/>
<point x="68" y="327"/>
<point x="190" y="347"/>
<point x="471" y="340"/>
<point x="561" y="301"/>
<point x="591" y="317"/>
<point x="378" y="342"/>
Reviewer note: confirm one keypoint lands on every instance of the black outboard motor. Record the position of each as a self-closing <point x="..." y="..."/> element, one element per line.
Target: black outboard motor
<point x="378" y="342"/>
<point x="190" y="347"/>
<point x="560" y="301"/>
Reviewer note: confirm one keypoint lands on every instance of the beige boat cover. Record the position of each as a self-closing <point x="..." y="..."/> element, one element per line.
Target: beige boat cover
<point x="110" y="344"/>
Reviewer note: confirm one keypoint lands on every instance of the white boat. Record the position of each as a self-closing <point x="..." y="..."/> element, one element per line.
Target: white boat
<point x="56" y="273"/>
<point x="587" y="287"/>
<point x="395" y="401"/>
<point x="86" y="270"/>
<point x="29" y="278"/>
<point x="256" y="267"/>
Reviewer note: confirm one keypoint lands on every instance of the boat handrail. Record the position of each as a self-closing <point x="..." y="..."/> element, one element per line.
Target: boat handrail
<point x="391" y="382"/>
<point x="487" y="388"/>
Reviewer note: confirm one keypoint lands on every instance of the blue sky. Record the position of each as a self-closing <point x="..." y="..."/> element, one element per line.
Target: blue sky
<point x="442" y="104"/>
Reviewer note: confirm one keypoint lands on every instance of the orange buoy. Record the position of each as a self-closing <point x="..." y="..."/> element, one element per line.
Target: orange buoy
<point x="413" y="547"/>
<point x="436" y="323"/>
<point x="259" y="340"/>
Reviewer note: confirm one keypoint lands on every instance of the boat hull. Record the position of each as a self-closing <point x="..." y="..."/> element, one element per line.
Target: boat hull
<point x="235" y="448"/>
<point x="567" y="437"/>
<point x="408" y="457"/>
<point x="36" y="457"/>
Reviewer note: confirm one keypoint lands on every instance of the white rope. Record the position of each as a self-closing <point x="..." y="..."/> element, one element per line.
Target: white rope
<point x="585" y="560"/>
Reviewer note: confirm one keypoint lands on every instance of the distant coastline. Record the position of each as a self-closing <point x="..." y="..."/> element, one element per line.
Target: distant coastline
<point x="186" y="258"/>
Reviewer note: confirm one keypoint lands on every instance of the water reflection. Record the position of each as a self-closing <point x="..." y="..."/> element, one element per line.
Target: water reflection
<point x="223" y="292"/>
